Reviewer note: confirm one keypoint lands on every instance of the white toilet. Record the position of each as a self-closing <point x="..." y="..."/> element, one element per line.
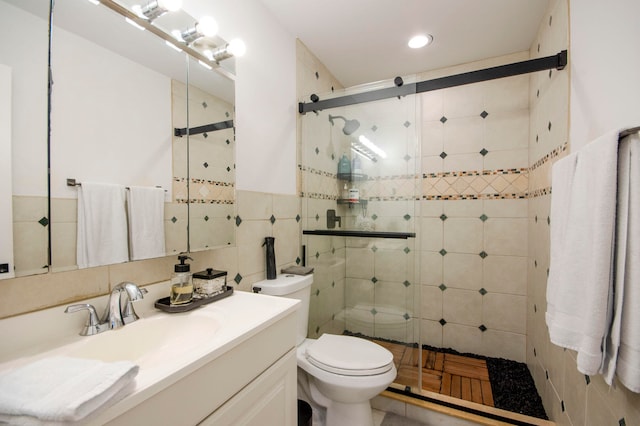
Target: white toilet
<point x="339" y="373"/>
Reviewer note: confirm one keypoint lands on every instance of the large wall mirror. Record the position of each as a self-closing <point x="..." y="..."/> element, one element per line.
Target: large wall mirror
<point x="123" y="107"/>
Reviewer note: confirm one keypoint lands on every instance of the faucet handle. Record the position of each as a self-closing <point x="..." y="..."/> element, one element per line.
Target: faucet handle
<point x="135" y="293"/>
<point x="92" y="326"/>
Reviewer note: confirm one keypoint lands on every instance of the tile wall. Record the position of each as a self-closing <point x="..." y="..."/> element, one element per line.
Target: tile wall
<point x="259" y="215"/>
<point x="570" y="398"/>
<point x="473" y="214"/>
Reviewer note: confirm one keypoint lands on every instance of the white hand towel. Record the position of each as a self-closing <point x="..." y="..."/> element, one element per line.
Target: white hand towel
<point x="146" y="222"/>
<point x="62" y="389"/>
<point x="102" y="225"/>
<point x="582" y="238"/>
<point x="623" y="346"/>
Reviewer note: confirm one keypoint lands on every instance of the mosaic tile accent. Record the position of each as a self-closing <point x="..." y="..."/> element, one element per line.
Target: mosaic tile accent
<point x="203" y="191"/>
<point x="44" y="221"/>
<point x="483" y="328"/>
<point x="237" y="278"/>
<point x="487" y="184"/>
<point x="442" y="322"/>
<point x="484" y="114"/>
<point x="442" y="287"/>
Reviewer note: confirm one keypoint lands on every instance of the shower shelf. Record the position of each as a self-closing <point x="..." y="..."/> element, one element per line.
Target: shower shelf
<point x="351" y="177"/>
<point x="361" y="234"/>
<point x="347" y="201"/>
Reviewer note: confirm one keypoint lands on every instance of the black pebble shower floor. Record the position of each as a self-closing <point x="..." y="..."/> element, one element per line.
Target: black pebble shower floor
<point x="512" y="386"/>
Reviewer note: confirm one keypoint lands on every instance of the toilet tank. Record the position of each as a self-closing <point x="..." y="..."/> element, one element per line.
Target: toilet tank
<point x="293" y="287"/>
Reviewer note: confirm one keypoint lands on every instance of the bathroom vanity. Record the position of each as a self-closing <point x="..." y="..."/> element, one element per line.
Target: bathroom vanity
<point x="230" y="362"/>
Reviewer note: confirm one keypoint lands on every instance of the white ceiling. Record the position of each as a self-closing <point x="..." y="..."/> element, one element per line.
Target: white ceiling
<point x="362" y="41"/>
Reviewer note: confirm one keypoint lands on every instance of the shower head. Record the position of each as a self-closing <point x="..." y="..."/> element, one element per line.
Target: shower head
<point x="350" y="126"/>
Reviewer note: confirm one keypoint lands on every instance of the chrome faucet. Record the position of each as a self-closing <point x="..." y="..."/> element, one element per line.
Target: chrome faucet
<point x="114" y="315"/>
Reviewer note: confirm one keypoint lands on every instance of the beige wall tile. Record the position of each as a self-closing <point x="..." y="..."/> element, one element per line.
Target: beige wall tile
<point x="431" y="307"/>
<point x="504" y="312"/>
<point x="503" y="344"/>
<point x="431" y="333"/>
<point x="505" y="274"/>
<point x="462" y="307"/>
<point x="504" y="236"/>
<point x="254" y="205"/>
<point x="463" y="235"/>
<point x="462" y="271"/>
<point x="463" y="338"/>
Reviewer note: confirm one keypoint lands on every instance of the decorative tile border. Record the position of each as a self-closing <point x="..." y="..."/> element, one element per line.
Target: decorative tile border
<point x="203" y="191"/>
<point x="517" y="183"/>
<point x="553" y="154"/>
<point x="474" y="185"/>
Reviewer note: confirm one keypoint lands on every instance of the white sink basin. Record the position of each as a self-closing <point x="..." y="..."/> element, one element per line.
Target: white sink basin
<point x="149" y="340"/>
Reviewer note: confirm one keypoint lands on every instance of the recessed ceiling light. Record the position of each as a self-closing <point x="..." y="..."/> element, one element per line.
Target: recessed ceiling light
<point x="420" y="41"/>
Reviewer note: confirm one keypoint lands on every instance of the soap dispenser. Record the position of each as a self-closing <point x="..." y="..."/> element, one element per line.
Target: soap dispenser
<point x="181" y="284"/>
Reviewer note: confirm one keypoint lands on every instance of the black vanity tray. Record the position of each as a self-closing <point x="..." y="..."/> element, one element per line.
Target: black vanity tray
<point x="164" y="305"/>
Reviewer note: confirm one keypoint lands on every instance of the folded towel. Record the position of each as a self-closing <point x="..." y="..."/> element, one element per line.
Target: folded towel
<point x="62" y="389"/>
<point x="623" y="345"/>
<point x="102" y="225"/>
<point x="583" y="205"/>
<point x="146" y="222"/>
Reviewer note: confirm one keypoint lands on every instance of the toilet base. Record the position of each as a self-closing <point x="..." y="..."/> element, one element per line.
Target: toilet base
<point x="359" y="414"/>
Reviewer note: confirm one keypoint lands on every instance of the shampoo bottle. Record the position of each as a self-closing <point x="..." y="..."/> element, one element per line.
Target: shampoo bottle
<point x="181" y="284"/>
<point x="344" y="165"/>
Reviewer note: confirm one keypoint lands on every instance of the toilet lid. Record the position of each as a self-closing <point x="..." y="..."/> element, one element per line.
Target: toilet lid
<point x="349" y="356"/>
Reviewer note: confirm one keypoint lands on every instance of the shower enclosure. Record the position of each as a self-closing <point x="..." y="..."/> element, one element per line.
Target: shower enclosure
<point x="366" y="277"/>
<point x="415" y="219"/>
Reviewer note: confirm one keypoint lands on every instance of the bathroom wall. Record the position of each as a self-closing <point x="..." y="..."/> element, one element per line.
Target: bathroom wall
<point x="601" y="95"/>
<point x="604" y="68"/>
<point x="473" y="217"/>
<point x="6" y="216"/>
<point x="265" y="92"/>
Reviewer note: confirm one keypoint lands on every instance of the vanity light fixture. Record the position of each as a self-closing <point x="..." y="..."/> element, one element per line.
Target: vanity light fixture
<point x="235" y="47"/>
<point x="420" y="40"/>
<point x="205" y="27"/>
<point x="156" y="8"/>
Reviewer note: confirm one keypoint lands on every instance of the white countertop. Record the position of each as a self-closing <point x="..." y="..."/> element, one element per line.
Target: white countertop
<point x="192" y="339"/>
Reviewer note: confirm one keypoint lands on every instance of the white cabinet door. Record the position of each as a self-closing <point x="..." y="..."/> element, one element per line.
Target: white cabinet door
<point x="270" y="400"/>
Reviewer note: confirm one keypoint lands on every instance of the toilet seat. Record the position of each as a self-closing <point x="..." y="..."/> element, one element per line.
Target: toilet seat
<point x="349" y="356"/>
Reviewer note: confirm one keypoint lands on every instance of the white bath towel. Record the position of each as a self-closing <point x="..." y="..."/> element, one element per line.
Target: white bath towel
<point x="623" y="345"/>
<point x="582" y="238"/>
<point x="62" y="389"/>
<point x="146" y="222"/>
<point x="102" y="225"/>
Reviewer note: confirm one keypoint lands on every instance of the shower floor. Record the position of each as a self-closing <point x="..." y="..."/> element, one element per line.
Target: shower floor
<point x="453" y="375"/>
<point x="492" y="382"/>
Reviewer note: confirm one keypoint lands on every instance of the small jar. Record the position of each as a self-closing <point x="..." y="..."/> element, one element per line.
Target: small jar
<point x="209" y="283"/>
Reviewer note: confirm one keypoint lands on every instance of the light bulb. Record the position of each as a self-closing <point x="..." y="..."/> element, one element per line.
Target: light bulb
<point x="207" y="26"/>
<point x="237" y="47"/>
<point x="420" y="41"/>
<point x="170" y="5"/>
